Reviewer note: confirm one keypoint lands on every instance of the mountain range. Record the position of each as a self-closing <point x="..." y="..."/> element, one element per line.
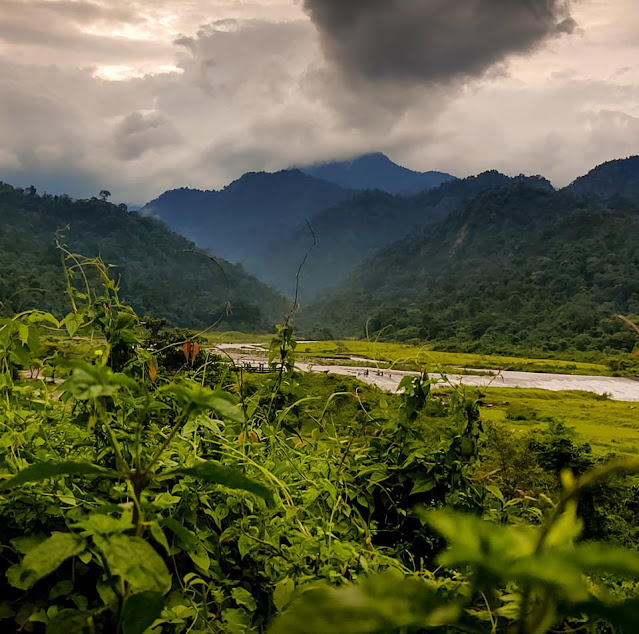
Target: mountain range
<point x="488" y="262"/>
<point x="518" y="268"/>
<point x="267" y="222"/>
<point x="376" y="171"/>
<point x="618" y="178"/>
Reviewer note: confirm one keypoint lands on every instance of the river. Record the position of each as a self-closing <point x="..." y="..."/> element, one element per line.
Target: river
<point x="618" y="388"/>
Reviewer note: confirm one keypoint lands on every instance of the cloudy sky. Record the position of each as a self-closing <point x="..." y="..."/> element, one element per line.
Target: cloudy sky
<point x="138" y="96"/>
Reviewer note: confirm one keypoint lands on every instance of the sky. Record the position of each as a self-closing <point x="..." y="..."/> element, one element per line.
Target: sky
<point x="140" y="96"/>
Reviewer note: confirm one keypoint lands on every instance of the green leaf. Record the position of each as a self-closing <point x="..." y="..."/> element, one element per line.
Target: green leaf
<point x="213" y="472"/>
<point x="44" y="470"/>
<point x="598" y="558"/>
<point x="190" y="542"/>
<point x="187" y="538"/>
<point x="6" y="611"/>
<point x="381" y="603"/>
<point x="24" y="544"/>
<point x="44" y="559"/>
<point x="508" y="553"/>
<point x="140" y="611"/>
<point x="104" y="524"/>
<point x="72" y="322"/>
<point x="159" y="536"/>
<point x="68" y="621"/>
<point x="23" y="334"/>
<point x="198" y="400"/>
<point x="244" y="598"/>
<point x="93" y="381"/>
<point x="51" y="319"/>
<point x="496" y="492"/>
<point x="135" y="561"/>
<point x="283" y="593"/>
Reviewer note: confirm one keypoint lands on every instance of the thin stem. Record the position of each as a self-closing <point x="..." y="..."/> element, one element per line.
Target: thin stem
<point x="156" y="456"/>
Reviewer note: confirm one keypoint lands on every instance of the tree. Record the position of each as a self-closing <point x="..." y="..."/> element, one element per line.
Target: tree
<point x="104" y="195"/>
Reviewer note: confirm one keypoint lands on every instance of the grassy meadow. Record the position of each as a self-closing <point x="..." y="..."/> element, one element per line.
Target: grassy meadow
<point x="404" y="356"/>
<point x="608" y="426"/>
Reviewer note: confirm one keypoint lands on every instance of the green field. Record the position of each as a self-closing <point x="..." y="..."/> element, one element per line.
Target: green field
<point x="234" y="336"/>
<point x="415" y="357"/>
<point x="609" y="426"/>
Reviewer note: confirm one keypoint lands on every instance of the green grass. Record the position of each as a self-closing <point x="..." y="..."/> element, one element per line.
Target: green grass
<point x="414" y="357"/>
<point x="233" y="336"/>
<point x="609" y="426"/>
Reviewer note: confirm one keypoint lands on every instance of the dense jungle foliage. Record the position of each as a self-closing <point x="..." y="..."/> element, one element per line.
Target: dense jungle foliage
<point x="520" y="269"/>
<point x="145" y="495"/>
<point x="618" y="178"/>
<point x="161" y="274"/>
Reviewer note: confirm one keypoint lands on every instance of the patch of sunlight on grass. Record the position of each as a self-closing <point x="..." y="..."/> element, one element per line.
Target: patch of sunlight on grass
<point x="609" y="426"/>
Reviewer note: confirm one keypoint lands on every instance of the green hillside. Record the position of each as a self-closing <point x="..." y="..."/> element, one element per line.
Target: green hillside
<point x="160" y="275"/>
<point x="618" y="178"/>
<point x="521" y="268"/>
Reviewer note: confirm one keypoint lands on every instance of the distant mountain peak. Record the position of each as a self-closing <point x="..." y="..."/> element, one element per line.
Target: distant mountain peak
<point x="619" y="177"/>
<point x="376" y="171"/>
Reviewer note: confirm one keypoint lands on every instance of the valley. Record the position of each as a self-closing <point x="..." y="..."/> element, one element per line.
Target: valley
<point x="463" y="354"/>
<point x="319" y="317"/>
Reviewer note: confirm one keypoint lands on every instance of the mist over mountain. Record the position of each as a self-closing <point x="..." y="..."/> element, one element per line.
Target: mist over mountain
<point x="251" y="211"/>
<point x="267" y="221"/>
<point x="613" y="178"/>
<point x="377" y="171"/>
<point x="159" y="272"/>
<point x="355" y="229"/>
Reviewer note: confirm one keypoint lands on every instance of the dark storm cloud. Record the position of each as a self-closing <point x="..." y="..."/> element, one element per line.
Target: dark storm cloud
<point x="432" y="40"/>
<point x="139" y="132"/>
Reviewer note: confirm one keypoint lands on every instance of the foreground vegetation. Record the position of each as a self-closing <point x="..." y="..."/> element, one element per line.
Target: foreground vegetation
<point x="160" y="489"/>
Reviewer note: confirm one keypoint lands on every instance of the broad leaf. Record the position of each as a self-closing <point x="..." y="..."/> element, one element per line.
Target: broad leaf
<point x="72" y="322"/>
<point x="44" y="470"/>
<point x="140" y="611"/>
<point x="71" y="621"/>
<point x="508" y="553"/>
<point x="44" y="559"/>
<point x="283" y="593"/>
<point x="382" y="603"/>
<point x="598" y="558"/>
<point x="196" y="399"/>
<point x="213" y="472"/>
<point x="135" y="561"/>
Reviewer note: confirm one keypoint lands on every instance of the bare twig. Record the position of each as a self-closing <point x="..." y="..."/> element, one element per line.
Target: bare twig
<point x="299" y="271"/>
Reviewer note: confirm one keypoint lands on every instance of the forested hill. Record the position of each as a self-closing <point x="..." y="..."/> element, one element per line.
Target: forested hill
<point x="519" y="268"/>
<point x="377" y="171"/>
<point x="357" y="228"/>
<point x="159" y="274"/>
<point x="611" y="179"/>
<point x="253" y="210"/>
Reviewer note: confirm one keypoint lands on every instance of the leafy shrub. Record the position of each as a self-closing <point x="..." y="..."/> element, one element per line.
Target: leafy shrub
<point x="141" y="497"/>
